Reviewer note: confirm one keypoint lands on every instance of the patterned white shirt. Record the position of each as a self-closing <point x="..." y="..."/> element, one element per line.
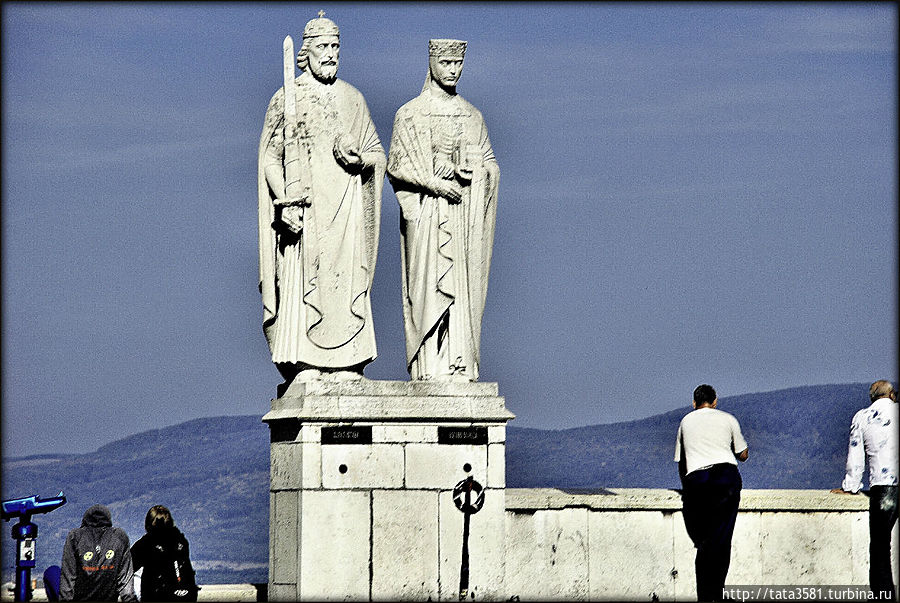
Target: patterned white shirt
<point x="873" y="435"/>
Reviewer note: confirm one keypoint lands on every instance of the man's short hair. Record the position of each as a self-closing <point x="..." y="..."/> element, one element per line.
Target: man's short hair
<point x="881" y="389"/>
<point x="704" y="394"/>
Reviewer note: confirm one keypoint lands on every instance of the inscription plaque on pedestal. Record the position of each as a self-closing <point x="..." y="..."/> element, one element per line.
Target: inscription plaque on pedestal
<point x="347" y="435"/>
<point x="475" y="436"/>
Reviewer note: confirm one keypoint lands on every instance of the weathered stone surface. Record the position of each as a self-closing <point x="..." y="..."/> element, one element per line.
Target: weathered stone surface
<point x="364" y="466"/>
<point x="496" y="466"/>
<point x="284" y="544"/>
<point x="403" y="433"/>
<point x="791" y="542"/>
<point x="310" y="432"/>
<point x="285" y="466"/>
<point x="859" y="533"/>
<point x="272" y="534"/>
<point x="236" y="593"/>
<point x="497" y="434"/>
<point x="334" y="552"/>
<point x="746" y="549"/>
<point x="551" y="498"/>
<point x="371" y="387"/>
<point x="390" y="408"/>
<point x="670" y="500"/>
<point x="684" y="554"/>
<point x="637" y="540"/>
<point x="277" y="592"/>
<point x="437" y="466"/>
<point x="404" y="473"/>
<point x="548" y="554"/>
<point x="374" y="402"/>
<point x="404" y="545"/>
<point x="311" y="464"/>
<point x="800" y="500"/>
<point x="624" y="562"/>
<point x="487" y="544"/>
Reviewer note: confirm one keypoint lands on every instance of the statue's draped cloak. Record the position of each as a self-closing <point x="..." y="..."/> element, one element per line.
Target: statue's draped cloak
<point x="315" y="287"/>
<point x="446" y="251"/>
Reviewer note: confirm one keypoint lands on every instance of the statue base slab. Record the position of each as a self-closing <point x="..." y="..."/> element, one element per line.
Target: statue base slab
<point x="362" y="479"/>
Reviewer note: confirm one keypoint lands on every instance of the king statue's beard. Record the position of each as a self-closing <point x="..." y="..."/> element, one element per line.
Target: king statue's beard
<point x="326" y="72"/>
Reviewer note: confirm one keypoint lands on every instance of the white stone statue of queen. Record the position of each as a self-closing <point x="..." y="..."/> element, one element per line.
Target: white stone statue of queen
<point x="320" y="177"/>
<point x="443" y="170"/>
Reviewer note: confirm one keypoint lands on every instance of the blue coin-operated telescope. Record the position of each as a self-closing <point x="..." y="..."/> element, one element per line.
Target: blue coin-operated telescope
<point x="25" y="533"/>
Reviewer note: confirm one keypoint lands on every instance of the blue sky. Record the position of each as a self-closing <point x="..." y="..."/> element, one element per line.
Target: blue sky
<point x="689" y="193"/>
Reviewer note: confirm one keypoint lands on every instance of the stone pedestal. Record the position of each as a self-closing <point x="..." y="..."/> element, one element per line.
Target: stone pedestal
<point x="361" y="490"/>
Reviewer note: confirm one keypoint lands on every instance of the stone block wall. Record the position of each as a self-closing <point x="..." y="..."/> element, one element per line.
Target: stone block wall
<point x="362" y="508"/>
<point x="631" y="544"/>
<point x="375" y="519"/>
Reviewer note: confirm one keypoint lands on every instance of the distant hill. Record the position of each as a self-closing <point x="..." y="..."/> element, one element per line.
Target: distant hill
<point x="214" y="473"/>
<point x="797" y="439"/>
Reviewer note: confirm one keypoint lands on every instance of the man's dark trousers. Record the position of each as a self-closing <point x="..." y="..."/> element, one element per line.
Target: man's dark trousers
<point x="882" y="515"/>
<point x="711" y="497"/>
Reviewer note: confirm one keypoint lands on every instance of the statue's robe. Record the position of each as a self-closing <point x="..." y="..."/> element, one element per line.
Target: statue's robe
<point x="446" y="250"/>
<point x="315" y="286"/>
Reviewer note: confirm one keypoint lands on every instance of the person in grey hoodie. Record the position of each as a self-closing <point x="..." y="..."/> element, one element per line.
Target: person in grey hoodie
<point x="96" y="563"/>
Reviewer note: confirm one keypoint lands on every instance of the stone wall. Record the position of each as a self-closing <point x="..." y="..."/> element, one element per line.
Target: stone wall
<point x="368" y="479"/>
<point x="362" y="486"/>
<point x="631" y="543"/>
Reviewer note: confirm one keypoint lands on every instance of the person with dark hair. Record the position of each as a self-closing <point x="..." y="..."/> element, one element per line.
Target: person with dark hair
<point x="707" y="448"/>
<point x="873" y="437"/>
<point x="164" y="554"/>
<point x="96" y="563"/>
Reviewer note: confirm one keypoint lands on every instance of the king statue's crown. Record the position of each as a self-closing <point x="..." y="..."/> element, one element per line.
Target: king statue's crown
<point x="320" y="26"/>
<point x="447" y="48"/>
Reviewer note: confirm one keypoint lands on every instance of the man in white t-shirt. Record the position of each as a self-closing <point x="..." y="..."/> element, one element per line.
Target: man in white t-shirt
<point x="707" y="449"/>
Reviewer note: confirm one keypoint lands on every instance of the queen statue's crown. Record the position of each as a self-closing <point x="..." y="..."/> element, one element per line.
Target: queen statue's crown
<point x="447" y="48"/>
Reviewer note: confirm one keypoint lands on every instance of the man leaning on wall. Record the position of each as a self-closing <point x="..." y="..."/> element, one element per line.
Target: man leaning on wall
<point x="707" y="448"/>
<point x="873" y="436"/>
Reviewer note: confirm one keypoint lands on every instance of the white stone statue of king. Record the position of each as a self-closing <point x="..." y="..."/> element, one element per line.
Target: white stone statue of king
<point x="320" y="176"/>
<point x="445" y="176"/>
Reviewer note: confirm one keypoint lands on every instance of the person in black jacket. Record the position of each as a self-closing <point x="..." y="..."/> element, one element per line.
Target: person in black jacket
<point x="96" y="563"/>
<point x="164" y="554"/>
